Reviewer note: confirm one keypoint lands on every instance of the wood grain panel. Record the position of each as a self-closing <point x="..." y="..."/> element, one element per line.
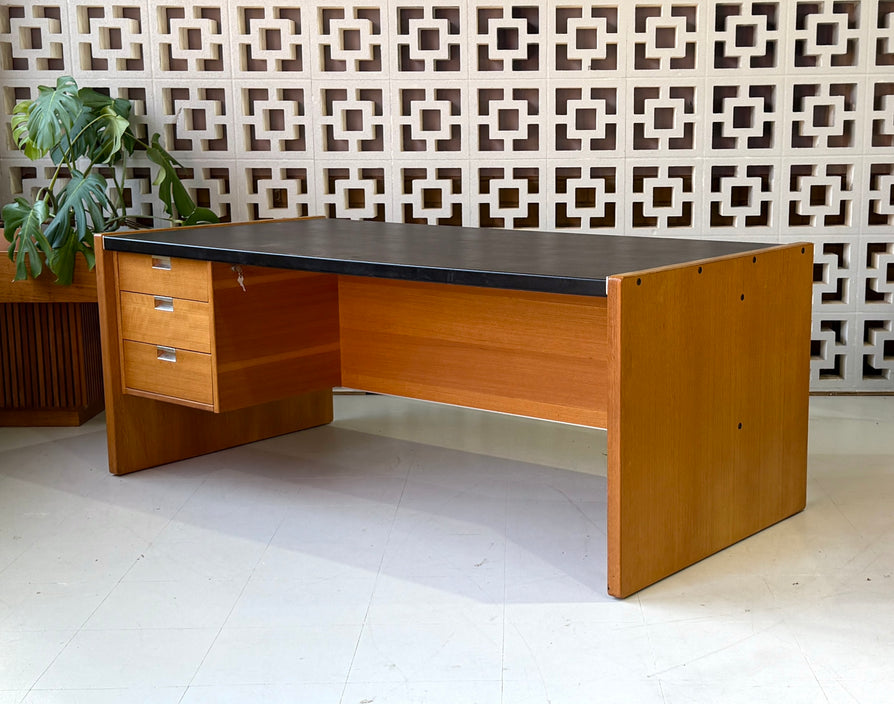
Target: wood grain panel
<point x="187" y="377"/>
<point x="707" y="434"/>
<point x="186" y="326"/>
<point x="144" y="432"/>
<point x="275" y="333"/>
<point x="44" y="289"/>
<point x="187" y="278"/>
<point x="534" y="354"/>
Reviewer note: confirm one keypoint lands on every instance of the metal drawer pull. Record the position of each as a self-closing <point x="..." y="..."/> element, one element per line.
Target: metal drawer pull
<point x="163" y="263"/>
<point x="164" y="303"/>
<point x="165" y="354"/>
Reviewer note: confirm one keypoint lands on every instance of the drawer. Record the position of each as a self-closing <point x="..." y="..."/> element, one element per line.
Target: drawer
<point x="171" y="372"/>
<point x="161" y="320"/>
<point x="164" y="276"/>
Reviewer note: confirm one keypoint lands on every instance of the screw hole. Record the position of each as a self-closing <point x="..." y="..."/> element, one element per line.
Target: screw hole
<point x="754" y="260"/>
<point x="639" y="282"/>
<point x="699" y="270"/>
<point x="740" y="426"/>
<point x="803" y="250"/>
<point x="742" y="297"/>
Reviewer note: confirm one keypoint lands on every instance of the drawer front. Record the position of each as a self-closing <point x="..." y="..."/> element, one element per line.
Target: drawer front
<point x="164" y="276"/>
<point x="162" y="320"/>
<point x="177" y="373"/>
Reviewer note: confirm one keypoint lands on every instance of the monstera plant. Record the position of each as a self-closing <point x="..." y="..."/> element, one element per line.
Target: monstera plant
<point x="89" y="138"/>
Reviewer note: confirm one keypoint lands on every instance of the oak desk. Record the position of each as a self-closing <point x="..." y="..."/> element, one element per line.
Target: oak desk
<point x="693" y="354"/>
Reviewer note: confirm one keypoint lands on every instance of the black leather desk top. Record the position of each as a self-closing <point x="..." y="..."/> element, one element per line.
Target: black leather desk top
<point x="555" y="262"/>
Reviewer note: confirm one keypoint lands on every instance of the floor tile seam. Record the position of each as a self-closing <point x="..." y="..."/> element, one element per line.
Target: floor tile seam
<point x="30" y="445"/>
<point x="285" y="628"/>
<point x="153" y="629"/>
<point x="540" y="679"/>
<point x="105" y="689"/>
<point x="576" y="506"/>
<point x="78" y="629"/>
<point x="170" y="520"/>
<point x="50" y="664"/>
<point x="236" y="601"/>
<point x="879" y="418"/>
<point x="15" y="559"/>
<point x="365" y="623"/>
<point x="266" y="682"/>
<point x="505" y="592"/>
<point x="834" y="501"/>
<point x="33" y="631"/>
<point x="35" y="542"/>
<point x="809" y="664"/>
<point x="652" y="673"/>
<point x="123" y="577"/>
<point x="451" y="680"/>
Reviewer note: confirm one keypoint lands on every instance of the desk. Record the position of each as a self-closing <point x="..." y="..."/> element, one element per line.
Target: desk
<point x="693" y="354"/>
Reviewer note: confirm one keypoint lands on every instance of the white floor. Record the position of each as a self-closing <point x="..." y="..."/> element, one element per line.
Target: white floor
<point x="418" y="553"/>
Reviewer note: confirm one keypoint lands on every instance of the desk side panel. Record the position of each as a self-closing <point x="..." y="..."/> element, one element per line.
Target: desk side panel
<point x="144" y="432"/>
<point x="533" y="354"/>
<point x="708" y="408"/>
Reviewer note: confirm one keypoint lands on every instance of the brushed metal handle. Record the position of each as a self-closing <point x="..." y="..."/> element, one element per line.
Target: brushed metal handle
<point x="163" y="263"/>
<point x="165" y="303"/>
<point x="165" y="354"/>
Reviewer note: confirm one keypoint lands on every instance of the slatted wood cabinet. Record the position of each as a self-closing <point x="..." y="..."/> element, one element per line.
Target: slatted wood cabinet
<point x="50" y="358"/>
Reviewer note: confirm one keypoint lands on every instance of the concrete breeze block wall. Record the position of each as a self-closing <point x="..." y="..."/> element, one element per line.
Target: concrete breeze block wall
<point x="768" y="121"/>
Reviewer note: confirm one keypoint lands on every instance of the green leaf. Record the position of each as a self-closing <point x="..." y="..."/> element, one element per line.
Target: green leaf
<point x="86" y="249"/>
<point x="111" y="128"/>
<point x="179" y="205"/>
<point x="201" y="216"/>
<point x="79" y="127"/>
<point x="83" y="134"/>
<point x="171" y="190"/>
<point x="120" y="107"/>
<point x="182" y="200"/>
<point x="20" y="115"/>
<point x="28" y="249"/>
<point x="22" y="227"/>
<point x="96" y="130"/>
<point x="50" y="116"/>
<point x="19" y="122"/>
<point x="23" y="218"/>
<point x="82" y="196"/>
<point x="23" y="224"/>
<point x="62" y="261"/>
<point x="93" y="99"/>
<point x="96" y="101"/>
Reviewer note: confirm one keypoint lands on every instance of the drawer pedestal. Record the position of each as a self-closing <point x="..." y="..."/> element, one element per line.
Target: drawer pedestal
<point x="218" y="338"/>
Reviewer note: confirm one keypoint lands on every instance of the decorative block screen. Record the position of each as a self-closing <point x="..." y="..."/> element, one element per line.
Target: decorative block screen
<point x="769" y="121"/>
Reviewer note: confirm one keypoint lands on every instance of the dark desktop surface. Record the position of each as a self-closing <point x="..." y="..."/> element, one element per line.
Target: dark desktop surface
<point x="553" y="262"/>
